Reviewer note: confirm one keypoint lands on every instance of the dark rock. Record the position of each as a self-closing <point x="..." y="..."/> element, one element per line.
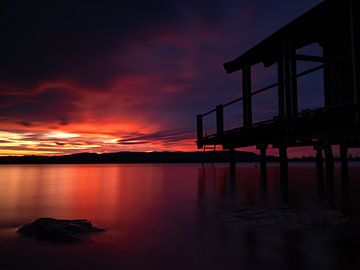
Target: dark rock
<point x="285" y="217"/>
<point x="59" y="230"/>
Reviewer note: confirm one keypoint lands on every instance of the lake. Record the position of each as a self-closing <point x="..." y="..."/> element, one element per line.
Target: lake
<point x="168" y="216"/>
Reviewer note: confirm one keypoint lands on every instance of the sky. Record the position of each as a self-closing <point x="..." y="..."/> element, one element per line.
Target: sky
<point x="109" y="76"/>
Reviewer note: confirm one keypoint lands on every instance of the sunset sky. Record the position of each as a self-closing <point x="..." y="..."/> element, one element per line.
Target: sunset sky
<point x="108" y="76"/>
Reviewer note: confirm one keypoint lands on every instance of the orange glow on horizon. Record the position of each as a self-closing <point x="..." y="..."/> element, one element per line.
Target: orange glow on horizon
<point x="103" y="120"/>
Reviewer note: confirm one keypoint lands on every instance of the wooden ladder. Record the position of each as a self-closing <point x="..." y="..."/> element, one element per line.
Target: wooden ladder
<point x="207" y="147"/>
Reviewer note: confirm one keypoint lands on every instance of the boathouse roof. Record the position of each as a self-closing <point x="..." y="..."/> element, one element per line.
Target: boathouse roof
<point x="313" y="26"/>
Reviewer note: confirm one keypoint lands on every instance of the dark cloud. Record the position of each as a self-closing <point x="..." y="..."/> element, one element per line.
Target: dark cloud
<point x="88" y="41"/>
<point x="51" y="104"/>
<point x="25" y="124"/>
<point x="60" y="143"/>
<point x="164" y="136"/>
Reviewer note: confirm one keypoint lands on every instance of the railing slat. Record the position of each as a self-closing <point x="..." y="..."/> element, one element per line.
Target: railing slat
<point x="309" y="71"/>
<point x="209" y="112"/>
<point x="233" y="101"/>
<point x="265" y="88"/>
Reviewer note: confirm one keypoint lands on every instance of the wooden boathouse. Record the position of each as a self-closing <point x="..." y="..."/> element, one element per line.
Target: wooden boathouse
<point x="334" y="26"/>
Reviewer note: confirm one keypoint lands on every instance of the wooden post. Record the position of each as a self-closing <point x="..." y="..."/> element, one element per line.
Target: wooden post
<point x="263" y="169"/>
<point x="290" y="79"/>
<point x="319" y="159"/>
<point x="286" y="79"/>
<point x="283" y="162"/>
<point x="219" y="121"/>
<point x="319" y="163"/>
<point x="344" y="160"/>
<point x="232" y="157"/>
<point x="283" y="173"/>
<point x="199" y="125"/>
<point x="247" y="110"/>
<point x="281" y="88"/>
<point x="293" y="84"/>
<point x="329" y="158"/>
<point x="354" y="9"/>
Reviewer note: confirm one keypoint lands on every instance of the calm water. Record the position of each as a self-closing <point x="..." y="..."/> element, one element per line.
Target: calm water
<point x="167" y="217"/>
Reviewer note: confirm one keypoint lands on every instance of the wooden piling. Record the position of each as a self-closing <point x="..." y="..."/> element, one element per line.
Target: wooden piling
<point x="329" y="158"/>
<point x="344" y="161"/>
<point x="319" y="159"/>
<point x="283" y="161"/>
<point x="263" y="169"/>
<point x="232" y="157"/>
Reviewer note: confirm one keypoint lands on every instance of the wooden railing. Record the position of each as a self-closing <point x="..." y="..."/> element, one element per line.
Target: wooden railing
<point x="219" y="110"/>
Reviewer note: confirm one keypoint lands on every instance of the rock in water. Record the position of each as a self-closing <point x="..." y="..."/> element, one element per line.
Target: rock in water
<point x="59" y="230"/>
<point x="285" y="217"/>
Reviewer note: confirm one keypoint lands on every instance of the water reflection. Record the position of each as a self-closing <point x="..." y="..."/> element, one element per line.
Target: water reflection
<point x="304" y="186"/>
<point x="168" y="215"/>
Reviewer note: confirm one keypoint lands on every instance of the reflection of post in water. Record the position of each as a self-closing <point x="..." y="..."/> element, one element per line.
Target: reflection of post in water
<point x="263" y="170"/>
<point x="220" y="180"/>
<point x="232" y="182"/>
<point x="284" y="193"/>
<point x="329" y="171"/>
<point x="252" y="247"/>
<point x="319" y="162"/>
<point x="329" y="159"/>
<point x="283" y="173"/>
<point x="319" y="172"/>
<point x="344" y="161"/>
<point x="201" y="182"/>
<point x="232" y="159"/>
<point x="320" y="184"/>
<point x="294" y="254"/>
<point x="263" y="189"/>
<point x="345" y="188"/>
<point x="283" y="162"/>
<point x="345" y="178"/>
<point x="330" y="186"/>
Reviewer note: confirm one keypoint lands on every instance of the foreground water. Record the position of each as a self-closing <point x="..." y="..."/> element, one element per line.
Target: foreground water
<point x="169" y="217"/>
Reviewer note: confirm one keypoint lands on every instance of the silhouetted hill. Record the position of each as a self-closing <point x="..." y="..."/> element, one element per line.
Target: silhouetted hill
<point x="133" y="157"/>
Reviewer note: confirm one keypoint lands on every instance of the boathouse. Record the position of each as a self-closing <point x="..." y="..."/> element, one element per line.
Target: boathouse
<point x="334" y="26"/>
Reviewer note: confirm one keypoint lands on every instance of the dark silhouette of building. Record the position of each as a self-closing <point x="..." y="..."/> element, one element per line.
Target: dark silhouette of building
<point x="334" y="26"/>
